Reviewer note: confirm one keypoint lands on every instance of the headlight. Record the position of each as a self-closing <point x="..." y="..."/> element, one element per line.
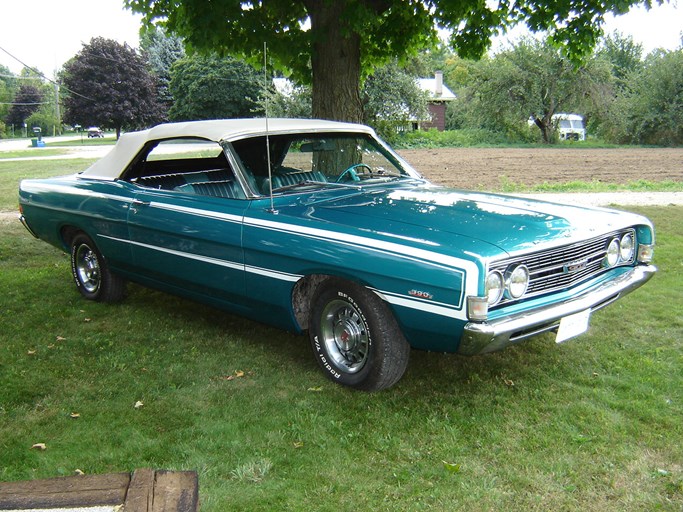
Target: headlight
<point x="613" y="251"/>
<point x="494" y="287"/>
<point x="517" y="281"/>
<point x="626" y="248"/>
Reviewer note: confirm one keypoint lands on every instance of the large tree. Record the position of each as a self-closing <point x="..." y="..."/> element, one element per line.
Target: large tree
<point x="530" y="80"/>
<point x="210" y="87"/>
<point x="162" y="51"/>
<point x="335" y="43"/>
<point x="108" y="84"/>
<point x="27" y="101"/>
<point x="651" y="109"/>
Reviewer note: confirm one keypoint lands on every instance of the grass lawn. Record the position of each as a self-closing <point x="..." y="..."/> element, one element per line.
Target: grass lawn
<point x="107" y="140"/>
<point x="593" y="424"/>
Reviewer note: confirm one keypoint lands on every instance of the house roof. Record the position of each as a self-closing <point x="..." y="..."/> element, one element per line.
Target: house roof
<point x="429" y="85"/>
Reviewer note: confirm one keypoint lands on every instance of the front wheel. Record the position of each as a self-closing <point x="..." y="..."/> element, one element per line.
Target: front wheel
<point x="355" y="338"/>
<point x="91" y="272"/>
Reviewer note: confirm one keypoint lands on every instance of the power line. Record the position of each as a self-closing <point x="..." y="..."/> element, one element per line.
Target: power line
<point x="42" y="75"/>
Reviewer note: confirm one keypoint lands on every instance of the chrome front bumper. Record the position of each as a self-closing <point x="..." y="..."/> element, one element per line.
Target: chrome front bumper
<point x="482" y="337"/>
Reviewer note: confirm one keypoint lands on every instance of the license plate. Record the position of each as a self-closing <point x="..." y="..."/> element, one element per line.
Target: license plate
<point x="573" y="325"/>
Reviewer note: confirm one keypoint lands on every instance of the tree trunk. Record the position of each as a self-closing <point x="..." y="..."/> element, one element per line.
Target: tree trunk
<point x="546" y="127"/>
<point x="335" y="61"/>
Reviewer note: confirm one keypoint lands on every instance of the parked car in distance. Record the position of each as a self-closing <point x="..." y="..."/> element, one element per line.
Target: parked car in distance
<point x="319" y="227"/>
<point x="570" y="126"/>
<point x="94" y="132"/>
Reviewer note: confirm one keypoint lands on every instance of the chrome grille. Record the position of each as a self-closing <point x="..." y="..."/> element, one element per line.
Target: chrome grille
<point x="563" y="267"/>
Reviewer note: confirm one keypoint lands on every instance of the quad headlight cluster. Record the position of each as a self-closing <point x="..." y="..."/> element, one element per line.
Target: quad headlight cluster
<point x="512" y="284"/>
<point x="558" y="269"/>
<point x="619" y="250"/>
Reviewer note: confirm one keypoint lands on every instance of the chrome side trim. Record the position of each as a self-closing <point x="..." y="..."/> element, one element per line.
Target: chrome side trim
<point x="23" y="221"/>
<point x="482" y="337"/>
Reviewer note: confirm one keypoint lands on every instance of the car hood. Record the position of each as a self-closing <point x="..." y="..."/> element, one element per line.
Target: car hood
<point x="438" y="214"/>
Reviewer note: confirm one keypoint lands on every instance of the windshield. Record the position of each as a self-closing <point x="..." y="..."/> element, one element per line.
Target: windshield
<point x="316" y="160"/>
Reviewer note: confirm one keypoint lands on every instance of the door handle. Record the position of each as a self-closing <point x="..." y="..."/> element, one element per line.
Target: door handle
<point x="137" y="204"/>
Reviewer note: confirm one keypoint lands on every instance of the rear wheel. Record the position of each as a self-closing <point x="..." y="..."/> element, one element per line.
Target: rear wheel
<point x="355" y="338"/>
<point x="91" y="272"/>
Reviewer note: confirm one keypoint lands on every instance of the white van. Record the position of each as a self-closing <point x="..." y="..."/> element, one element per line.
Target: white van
<point x="570" y="126"/>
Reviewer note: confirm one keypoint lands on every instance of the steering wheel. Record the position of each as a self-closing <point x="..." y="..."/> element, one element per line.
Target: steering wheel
<point x="351" y="171"/>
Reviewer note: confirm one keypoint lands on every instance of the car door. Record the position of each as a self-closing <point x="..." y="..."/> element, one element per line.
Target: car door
<point x="185" y="240"/>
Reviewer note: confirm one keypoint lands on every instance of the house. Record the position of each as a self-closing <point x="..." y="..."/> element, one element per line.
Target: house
<point x="439" y="96"/>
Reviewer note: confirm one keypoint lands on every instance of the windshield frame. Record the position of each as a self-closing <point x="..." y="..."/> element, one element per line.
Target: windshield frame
<point x="249" y="155"/>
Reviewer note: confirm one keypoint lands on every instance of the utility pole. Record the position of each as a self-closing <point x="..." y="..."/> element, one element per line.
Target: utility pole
<point x="57" y="113"/>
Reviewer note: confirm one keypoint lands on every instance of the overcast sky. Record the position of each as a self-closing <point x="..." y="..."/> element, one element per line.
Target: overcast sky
<point x="46" y="33"/>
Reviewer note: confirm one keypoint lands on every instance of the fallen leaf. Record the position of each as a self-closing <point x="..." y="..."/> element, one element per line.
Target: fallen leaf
<point x="451" y="467"/>
<point x="74" y="415"/>
<point x="298" y="444"/>
<point x="39" y="446"/>
<point x="31" y="352"/>
<point x="61" y="338"/>
<point x="237" y="375"/>
<point x="317" y="390"/>
<point x="86" y="320"/>
<point x="78" y="472"/>
<point x="509" y="382"/>
<point x="138" y="404"/>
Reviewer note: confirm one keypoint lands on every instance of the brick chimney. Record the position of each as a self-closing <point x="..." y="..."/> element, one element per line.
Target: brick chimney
<point x="438" y="83"/>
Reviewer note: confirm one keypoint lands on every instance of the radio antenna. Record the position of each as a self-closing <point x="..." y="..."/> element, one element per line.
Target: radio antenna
<point x="265" y="92"/>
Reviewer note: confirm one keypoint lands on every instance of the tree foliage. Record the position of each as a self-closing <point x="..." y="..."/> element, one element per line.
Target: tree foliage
<point x="624" y="55"/>
<point x="6" y="94"/>
<point x="393" y="99"/>
<point x="651" y="109"/>
<point x="108" y="84"/>
<point x="211" y="87"/>
<point x="293" y="102"/>
<point x="27" y="101"/>
<point x="531" y="80"/>
<point x="162" y="51"/>
<point x="334" y="44"/>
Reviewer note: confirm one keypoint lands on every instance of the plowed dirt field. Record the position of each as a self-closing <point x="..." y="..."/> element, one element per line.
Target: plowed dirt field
<point x="488" y="169"/>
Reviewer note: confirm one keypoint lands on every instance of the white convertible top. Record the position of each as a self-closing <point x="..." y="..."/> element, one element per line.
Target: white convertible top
<point x="110" y="166"/>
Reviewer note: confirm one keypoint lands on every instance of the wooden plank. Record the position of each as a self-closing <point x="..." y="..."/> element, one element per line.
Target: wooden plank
<point x="146" y="491"/>
<point x="140" y="495"/>
<point x="70" y="491"/>
<point x="176" y="491"/>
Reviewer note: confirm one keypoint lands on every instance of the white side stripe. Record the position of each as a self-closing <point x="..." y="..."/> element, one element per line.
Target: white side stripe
<point x="196" y="211"/>
<point x="392" y="298"/>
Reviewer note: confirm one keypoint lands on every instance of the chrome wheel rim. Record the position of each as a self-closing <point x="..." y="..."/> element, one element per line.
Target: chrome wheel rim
<point x="88" y="268"/>
<point x="345" y="335"/>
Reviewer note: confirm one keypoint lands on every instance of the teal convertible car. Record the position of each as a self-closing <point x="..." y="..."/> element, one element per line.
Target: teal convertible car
<point x="318" y="226"/>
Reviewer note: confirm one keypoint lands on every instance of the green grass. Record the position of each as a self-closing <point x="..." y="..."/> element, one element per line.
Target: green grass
<point x="509" y="186"/>
<point x="11" y="173"/>
<point x="108" y="140"/>
<point x="32" y="153"/>
<point x="593" y="424"/>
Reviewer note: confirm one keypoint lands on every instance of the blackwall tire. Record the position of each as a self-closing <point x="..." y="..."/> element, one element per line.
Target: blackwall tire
<point x="355" y="338"/>
<point x="91" y="273"/>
